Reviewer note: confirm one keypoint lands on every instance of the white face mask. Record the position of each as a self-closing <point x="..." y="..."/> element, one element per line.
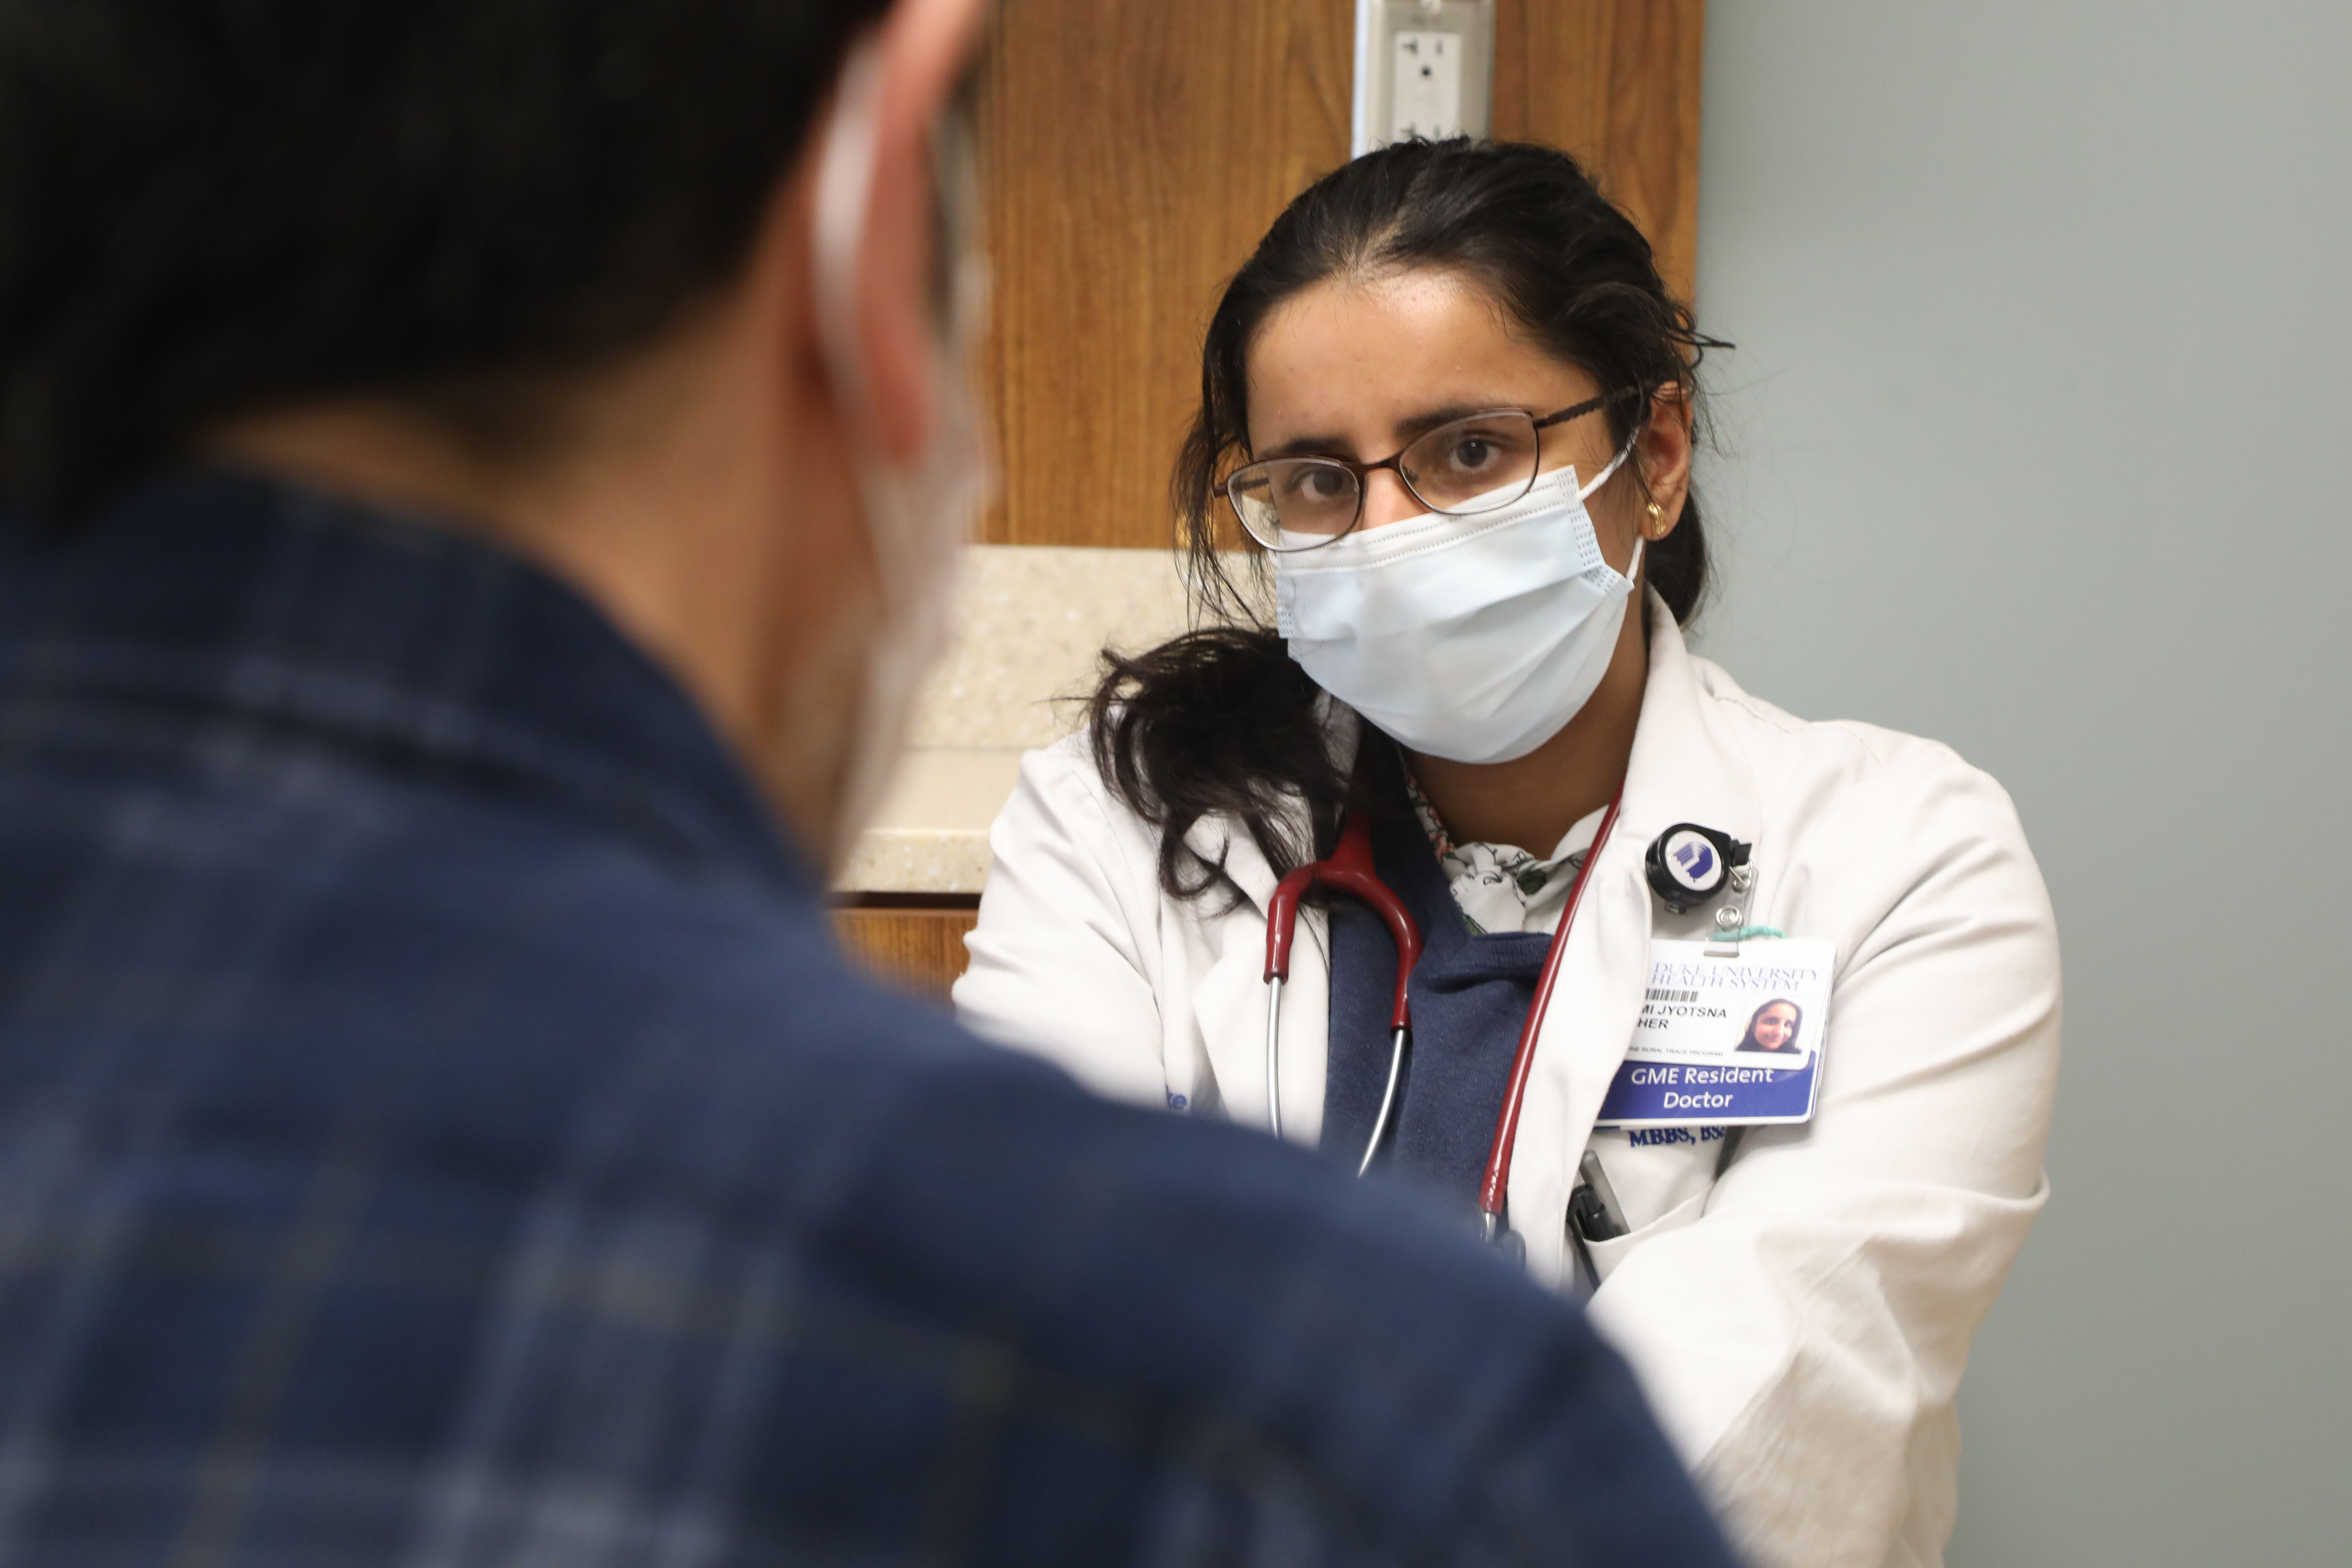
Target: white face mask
<point x="1473" y="638"/>
<point x="918" y="516"/>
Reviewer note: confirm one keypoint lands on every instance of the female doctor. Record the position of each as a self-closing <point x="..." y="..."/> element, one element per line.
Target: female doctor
<point x="1450" y="402"/>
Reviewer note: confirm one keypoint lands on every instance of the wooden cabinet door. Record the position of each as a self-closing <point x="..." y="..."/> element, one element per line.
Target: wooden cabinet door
<point x="921" y="949"/>
<point x="1135" y="149"/>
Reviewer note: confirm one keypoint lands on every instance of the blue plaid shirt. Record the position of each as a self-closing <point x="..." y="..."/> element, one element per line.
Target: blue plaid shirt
<point x="437" y="1128"/>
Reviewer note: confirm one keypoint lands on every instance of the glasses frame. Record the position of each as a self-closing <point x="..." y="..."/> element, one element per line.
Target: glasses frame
<point x="1363" y="471"/>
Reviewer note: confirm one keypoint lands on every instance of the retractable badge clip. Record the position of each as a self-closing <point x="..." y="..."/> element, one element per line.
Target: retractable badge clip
<point x="1689" y="865"/>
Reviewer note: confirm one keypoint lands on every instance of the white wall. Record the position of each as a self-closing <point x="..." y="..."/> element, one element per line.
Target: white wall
<point x="2036" y="442"/>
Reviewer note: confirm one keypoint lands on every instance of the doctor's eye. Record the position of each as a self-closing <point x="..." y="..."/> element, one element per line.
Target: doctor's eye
<point x="1483" y="458"/>
<point x="1309" y="491"/>
<point x="1295" y="503"/>
<point x="1319" y="485"/>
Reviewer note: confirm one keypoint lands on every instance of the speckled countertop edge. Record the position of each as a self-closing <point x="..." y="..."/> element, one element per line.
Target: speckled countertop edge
<point x="1031" y="625"/>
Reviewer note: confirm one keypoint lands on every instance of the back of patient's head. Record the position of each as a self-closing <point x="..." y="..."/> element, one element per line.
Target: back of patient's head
<point x="215" y="208"/>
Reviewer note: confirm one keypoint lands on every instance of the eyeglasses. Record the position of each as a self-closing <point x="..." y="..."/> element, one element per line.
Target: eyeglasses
<point x="1462" y="468"/>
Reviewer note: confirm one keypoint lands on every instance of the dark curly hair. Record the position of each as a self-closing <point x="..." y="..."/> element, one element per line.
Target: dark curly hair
<point x="1222" y="721"/>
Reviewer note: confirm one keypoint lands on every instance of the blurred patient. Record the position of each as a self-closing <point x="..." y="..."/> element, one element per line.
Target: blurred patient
<point x="479" y="479"/>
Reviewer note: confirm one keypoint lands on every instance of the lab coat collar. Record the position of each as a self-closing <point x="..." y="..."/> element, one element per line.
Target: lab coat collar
<point x="1219" y="841"/>
<point x="1686" y="766"/>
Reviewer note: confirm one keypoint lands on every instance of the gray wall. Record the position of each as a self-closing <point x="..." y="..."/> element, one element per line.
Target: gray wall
<point x="2036" y="442"/>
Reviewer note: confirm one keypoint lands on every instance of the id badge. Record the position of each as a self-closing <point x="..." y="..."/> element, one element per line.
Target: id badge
<point x="1726" y="1041"/>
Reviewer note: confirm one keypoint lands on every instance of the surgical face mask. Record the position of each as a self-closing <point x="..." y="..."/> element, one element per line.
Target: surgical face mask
<point x="918" y="516"/>
<point x="1473" y="638"/>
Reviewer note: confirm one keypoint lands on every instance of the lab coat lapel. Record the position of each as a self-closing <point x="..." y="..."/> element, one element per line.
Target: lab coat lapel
<point x="1683" y="769"/>
<point x="1229" y="1004"/>
<point x="1686" y="766"/>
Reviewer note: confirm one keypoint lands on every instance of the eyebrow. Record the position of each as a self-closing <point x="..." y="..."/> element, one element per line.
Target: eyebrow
<point x="1405" y="431"/>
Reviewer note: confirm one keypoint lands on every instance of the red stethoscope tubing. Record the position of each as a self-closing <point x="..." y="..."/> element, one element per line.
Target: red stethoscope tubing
<point x="1350" y="870"/>
<point x="1496" y="1187"/>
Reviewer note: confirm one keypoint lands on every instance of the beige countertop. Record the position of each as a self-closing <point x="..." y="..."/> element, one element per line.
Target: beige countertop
<point x="1031" y="623"/>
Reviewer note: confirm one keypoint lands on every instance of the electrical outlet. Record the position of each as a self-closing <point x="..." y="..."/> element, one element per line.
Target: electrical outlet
<point x="1425" y="86"/>
<point x="1423" y="68"/>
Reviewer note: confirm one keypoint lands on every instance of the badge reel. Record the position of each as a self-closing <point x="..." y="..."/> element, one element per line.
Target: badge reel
<point x="1689" y="865"/>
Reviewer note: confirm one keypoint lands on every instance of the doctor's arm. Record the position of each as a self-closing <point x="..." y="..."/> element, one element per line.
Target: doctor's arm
<point x="1803" y="1339"/>
<point x="1058" y="966"/>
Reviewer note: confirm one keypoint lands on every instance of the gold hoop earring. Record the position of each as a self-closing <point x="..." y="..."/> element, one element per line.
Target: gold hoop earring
<point x="1657" y="529"/>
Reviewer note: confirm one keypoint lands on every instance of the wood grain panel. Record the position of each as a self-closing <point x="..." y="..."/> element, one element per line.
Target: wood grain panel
<point x="1616" y="82"/>
<point x="1134" y="153"/>
<point x="921" y="950"/>
<point x="1135" y="149"/>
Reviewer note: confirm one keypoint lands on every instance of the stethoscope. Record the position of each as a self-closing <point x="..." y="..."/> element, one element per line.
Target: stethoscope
<point x="1684" y="865"/>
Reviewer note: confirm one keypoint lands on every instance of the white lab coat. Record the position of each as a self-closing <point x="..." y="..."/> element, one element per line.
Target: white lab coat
<point x="1798" y="1301"/>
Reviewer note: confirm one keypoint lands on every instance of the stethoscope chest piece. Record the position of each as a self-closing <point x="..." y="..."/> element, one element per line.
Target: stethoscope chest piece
<point x="1688" y="863"/>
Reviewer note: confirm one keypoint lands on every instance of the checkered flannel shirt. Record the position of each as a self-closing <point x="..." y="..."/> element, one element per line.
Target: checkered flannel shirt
<point x="436" y="1129"/>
